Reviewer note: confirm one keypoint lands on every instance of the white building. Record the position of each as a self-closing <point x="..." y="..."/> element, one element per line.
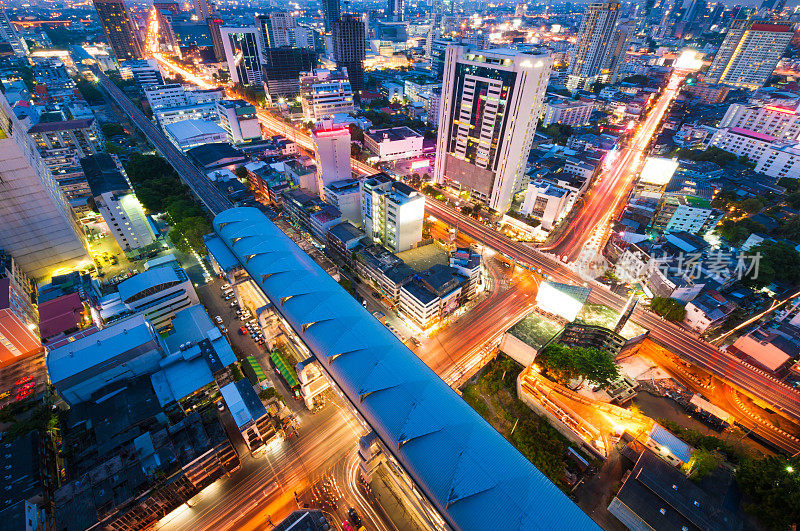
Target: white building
<point x="243" y="54"/>
<point x="491" y="102"/>
<point x="771" y="156"/>
<point x="190" y="133"/>
<point x="332" y="153"/>
<point x="680" y="213"/>
<point x="126" y="220"/>
<point x="193" y="111"/>
<point x="392" y="213"/>
<point x="157" y="294"/>
<point x="392" y="91"/>
<point x="749" y="53"/>
<point x="239" y="120"/>
<point x="170" y="95"/>
<point x="707" y="310"/>
<point x="774" y="119"/>
<point x="395" y="143"/>
<point x="432" y="295"/>
<point x="143" y="71"/>
<point x="345" y="195"/>
<point x="9" y="34"/>
<point x="36" y="223"/>
<point x="545" y="202"/>
<point x="568" y="112"/>
<point x="325" y="93"/>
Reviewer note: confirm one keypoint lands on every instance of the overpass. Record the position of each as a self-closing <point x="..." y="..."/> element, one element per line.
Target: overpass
<point x="208" y="194"/>
<point x="688" y="345"/>
<point x="471" y="475"/>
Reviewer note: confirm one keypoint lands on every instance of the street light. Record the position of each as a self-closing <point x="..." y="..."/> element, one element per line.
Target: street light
<point x="790" y="469"/>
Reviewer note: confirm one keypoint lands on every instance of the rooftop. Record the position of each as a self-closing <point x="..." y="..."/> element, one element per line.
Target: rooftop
<point x="346" y="231"/>
<point x="103" y="174"/>
<point x="151" y="279"/>
<point x="188" y="129"/>
<point x="393" y="134"/>
<point x="752" y="134"/>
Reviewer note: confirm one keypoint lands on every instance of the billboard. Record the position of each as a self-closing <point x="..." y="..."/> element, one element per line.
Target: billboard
<point x="563" y="300"/>
<point x="658" y="170"/>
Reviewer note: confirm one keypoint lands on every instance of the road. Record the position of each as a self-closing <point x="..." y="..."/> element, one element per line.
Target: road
<point x="208" y="194"/>
<point x="689" y="346"/>
<point x="605" y="198"/>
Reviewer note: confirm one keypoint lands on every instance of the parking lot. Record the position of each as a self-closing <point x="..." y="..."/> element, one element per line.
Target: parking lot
<point x="212" y="297"/>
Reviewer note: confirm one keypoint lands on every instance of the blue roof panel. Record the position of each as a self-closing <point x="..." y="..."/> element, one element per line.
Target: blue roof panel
<point x="475" y="478"/>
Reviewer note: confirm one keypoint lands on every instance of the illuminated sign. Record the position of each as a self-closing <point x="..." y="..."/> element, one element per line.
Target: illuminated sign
<point x="419" y="164"/>
<point x="779" y="109"/>
<point x="658" y="170"/>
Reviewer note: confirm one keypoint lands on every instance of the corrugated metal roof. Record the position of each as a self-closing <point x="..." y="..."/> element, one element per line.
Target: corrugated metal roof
<point x="475" y="478"/>
<point x="146" y="279"/>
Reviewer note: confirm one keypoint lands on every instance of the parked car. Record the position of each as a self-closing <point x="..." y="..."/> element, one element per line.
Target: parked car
<point x="354" y="518"/>
<point x="218" y="319"/>
<point x="220" y="405"/>
<point x="225" y="286"/>
<point x="242" y="331"/>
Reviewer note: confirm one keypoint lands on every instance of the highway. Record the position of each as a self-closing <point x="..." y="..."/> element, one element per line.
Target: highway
<point x="605" y="198"/>
<point x="208" y="194"/>
<point x="689" y="346"/>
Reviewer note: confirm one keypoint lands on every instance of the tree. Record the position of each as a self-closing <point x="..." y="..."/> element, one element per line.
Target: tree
<point x="569" y="363"/>
<point x="241" y="172"/>
<point x="560" y="133"/>
<point x="750" y="206"/>
<point x="668" y="308"/>
<point x="736" y="232"/>
<point x="712" y="154"/>
<point x="637" y="79"/>
<point x="776" y="261"/>
<point x="466" y="210"/>
<point x="113" y="129"/>
<point x="772" y="489"/>
<point x="702" y="463"/>
<point x="188" y="233"/>
<point x="89" y="91"/>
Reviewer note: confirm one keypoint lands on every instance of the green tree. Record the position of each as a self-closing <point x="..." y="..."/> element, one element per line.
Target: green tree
<point x="113" y="129"/>
<point x="89" y="91"/>
<point x="188" y="233"/>
<point x="772" y="490"/>
<point x="560" y="133"/>
<point x="241" y="172"/>
<point x="712" y="154"/>
<point x="668" y="308"/>
<point x="702" y="463"/>
<point x="637" y="79"/>
<point x="570" y="363"/>
<point x="737" y="231"/>
<point x="776" y="261"/>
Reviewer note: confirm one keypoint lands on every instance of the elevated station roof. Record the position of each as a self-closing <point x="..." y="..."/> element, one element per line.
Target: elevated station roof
<point x="475" y="478"/>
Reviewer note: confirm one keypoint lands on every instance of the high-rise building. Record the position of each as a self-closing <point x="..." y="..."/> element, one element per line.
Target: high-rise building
<point x="119" y="29"/>
<point x="36" y="224"/>
<point x="324" y="93"/>
<point x="394" y="10"/>
<point x="276" y="29"/>
<point x="282" y="69"/>
<point x="490" y="104"/>
<point x="332" y="151"/>
<point x="749" y="53"/>
<point x="596" y="55"/>
<point x="206" y="11"/>
<point x="9" y="34"/>
<point x="349" y="49"/>
<point x="243" y="54"/>
<point x="392" y="213"/>
<point x="331" y="13"/>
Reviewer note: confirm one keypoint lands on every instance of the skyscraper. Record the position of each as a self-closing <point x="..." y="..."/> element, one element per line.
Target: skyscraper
<point x="490" y="104"/>
<point x="36" y="223"/>
<point x="331" y="13"/>
<point x="282" y="68"/>
<point x="749" y="53"/>
<point x="119" y="29"/>
<point x="394" y="10"/>
<point x="9" y="34"/>
<point x="349" y="49"/>
<point x="207" y="12"/>
<point x="243" y="54"/>
<point x="594" y="58"/>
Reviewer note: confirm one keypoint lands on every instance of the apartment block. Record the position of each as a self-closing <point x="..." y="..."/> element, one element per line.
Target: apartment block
<point x="392" y="213"/>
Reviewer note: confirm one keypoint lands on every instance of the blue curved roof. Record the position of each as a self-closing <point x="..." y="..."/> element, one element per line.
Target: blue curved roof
<point x="475" y="478"/>
<point x="147" y="279"/>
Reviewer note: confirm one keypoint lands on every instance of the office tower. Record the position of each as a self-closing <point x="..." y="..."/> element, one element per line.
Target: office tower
<point x="331" y="13"/>
<point x="9" y="34"/>
<point x="36" y="224"/>
<point x="324" y="93"/>
<point x="243" y="54"/>
<point x="206" y="11"/>
<point x="394" y="10"/>
<point x="282" y="68"/>
<point x="593" y="57"/>
<point x="332" y="151"/>
<point x="749" y="53"/>
<point x="490" y="103"/>
<point x="349" y="49"/>
<point x="391" y="213"/>
<point x="119" y="29"/>
<point x="774" y="6"/>
<point x="276" y="29"/>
